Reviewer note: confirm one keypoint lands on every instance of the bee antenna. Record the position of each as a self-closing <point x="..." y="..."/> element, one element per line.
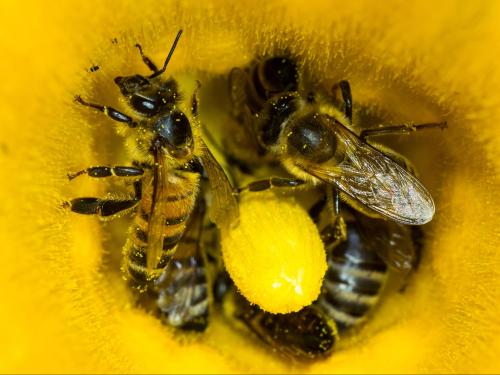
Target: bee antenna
<point x="162" y="70"/>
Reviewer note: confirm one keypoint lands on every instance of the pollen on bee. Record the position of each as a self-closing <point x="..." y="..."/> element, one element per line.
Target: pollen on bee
<point x="275" y="256"/>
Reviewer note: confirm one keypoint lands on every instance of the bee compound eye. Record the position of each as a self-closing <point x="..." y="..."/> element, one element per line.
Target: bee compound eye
<point x="281" y="73"/>
<point x="143" y="105"/>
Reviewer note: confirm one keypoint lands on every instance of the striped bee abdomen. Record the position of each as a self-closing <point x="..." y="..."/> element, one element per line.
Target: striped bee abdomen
<point x="354" y="281"/>
<point x="183" y="294"/>
<point x="176" y="210"/>
<point x="306" y="334"/>
<point x="182" y="288"/>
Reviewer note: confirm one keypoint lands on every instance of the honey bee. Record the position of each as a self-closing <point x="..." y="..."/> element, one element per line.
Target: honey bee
<point x="169" y="156"/>
<point x="358" y="267"/>
<point x="306" y="334"/>
<point x="316" y="143"/>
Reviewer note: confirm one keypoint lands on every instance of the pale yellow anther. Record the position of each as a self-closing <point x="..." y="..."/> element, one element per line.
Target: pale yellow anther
<point x="275" y="256"/>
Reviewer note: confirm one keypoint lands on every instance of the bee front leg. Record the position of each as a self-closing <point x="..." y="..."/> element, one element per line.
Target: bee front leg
<point x="103" y="171"/>
<point x="108" y="111"/>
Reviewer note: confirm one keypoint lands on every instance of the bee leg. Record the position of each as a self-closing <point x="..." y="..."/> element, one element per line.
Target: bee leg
<point x="101" y="207"/>
<point x="105" y="207"/>
<point x="398" y="159"/>
<point x="336" y="232"/>
<point x="417" y="235"/>
<point x="272" y="182"/>
<point x="316" y="209"/>
<point x="194" y="99"/>
<point x="345" y="89"/>
<point x="119" y="171"/>
<point x="108" y="111"/>
<point x="400" y="129"/>
<point x="151" y="65"/>
<point x="221" y="286"/>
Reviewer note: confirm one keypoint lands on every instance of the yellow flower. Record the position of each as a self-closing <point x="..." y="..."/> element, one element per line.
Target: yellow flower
<point x="64" y="308"/>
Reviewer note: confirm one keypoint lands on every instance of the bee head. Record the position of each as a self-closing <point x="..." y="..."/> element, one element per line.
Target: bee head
<point x="174" y="135"/>
<point x="310" y="138"/>
<point x="148" y="96"/>
<point x="151" y="95"/>
<point x="279" y="74"/>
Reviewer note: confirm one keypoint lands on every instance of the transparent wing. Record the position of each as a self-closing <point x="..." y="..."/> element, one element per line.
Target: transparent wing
<point x="238" y="81"/>
<point x="376" y="181"/>
<point x="223" y="209"/>
<point x="247" y="137"/>
<point x="157" y="213"/>
<point x="392" y="241"/>
<point x="182" y="287"/>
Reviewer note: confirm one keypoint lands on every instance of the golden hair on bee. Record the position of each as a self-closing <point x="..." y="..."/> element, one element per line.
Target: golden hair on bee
<point x="317" y="144"/>
<point x="169" y="157"/>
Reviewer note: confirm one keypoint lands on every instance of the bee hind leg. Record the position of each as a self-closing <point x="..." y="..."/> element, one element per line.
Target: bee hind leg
<point x="400" y="129"/>
<point x="397" y="158"/>
<point x="101" y="207"/>
<point x="105" y="207"/>
<point x="108" y="111"/>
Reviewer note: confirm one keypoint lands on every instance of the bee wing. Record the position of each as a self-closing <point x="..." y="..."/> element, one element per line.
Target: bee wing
<point x="392" y="241"/>
<point x="157" y="216"/>
<point x="223" y="209"/>
<point x="238" y="80"/>
<point x="376" y="181"/>
<point x="182" y="287"/>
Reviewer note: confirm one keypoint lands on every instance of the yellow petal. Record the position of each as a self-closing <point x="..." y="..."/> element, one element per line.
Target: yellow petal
<point x="64" y="307"/>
